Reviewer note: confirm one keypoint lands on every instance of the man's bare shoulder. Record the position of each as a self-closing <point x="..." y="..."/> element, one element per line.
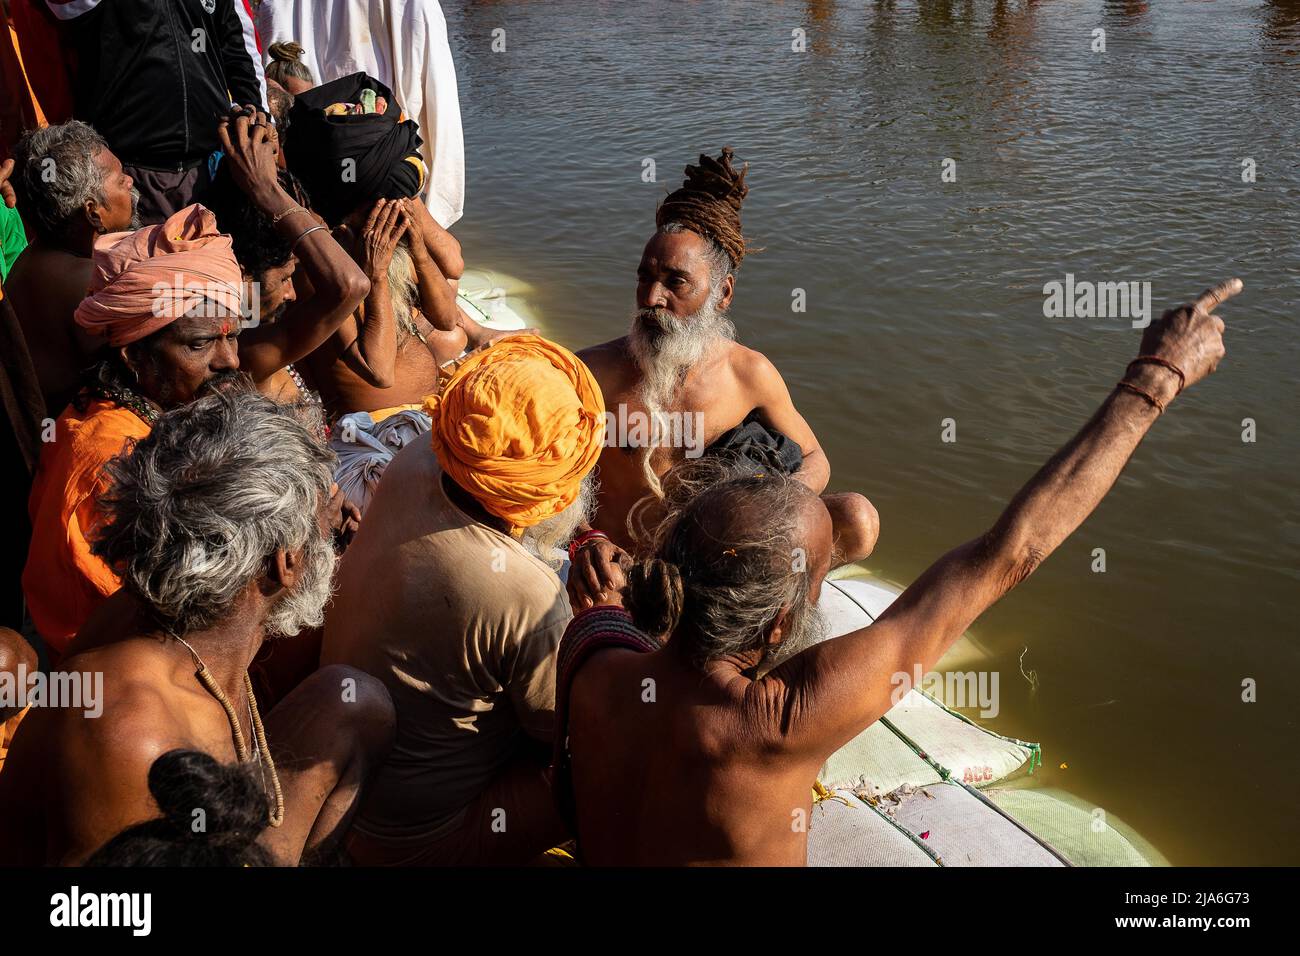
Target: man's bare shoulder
<point x="607" y="357"/>
<point x="58" y="272"/>
<point x="613" y="366"/>
<point x="750" y="366"/>
<point x="141" y="706"/>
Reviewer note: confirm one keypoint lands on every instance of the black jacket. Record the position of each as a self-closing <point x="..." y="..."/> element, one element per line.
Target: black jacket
<point x="154" y="76"/>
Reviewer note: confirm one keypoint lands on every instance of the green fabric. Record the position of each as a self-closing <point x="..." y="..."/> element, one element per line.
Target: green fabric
<point x="12" y="239"/>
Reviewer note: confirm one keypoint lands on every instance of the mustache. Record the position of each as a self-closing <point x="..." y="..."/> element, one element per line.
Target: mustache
<point x="221" y="382"/>
<point x="658" y="321"/>
<point x="277" y="314"/>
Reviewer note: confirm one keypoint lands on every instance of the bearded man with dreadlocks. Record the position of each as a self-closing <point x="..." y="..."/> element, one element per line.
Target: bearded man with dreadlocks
<point x="679" y="384"/>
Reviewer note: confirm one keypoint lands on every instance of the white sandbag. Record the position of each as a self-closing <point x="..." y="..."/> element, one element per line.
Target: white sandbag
<point x="876" y="761"/>
<point x="919" y="740"/>
<point x="970" y="753"/>
<point x="844" y="831"/>
<point x="965" y="831"/>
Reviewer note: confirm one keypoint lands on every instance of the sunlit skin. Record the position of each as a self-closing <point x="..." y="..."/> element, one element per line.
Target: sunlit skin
<point x="190" y="354"/>
<point x="366" y="365"/>
<point x="719" y="768"/>
<point x="275" y="292"/>
<point x="719" y="793"/>
<point x="724" y="386"/>
<point x="15" y="656"/>
<point x="72" y="782"/>
<point x="50" y="279"/>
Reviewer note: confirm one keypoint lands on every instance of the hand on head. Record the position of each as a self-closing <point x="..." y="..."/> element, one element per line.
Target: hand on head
<point x="597" y="574"/>
<point x="384" y="228"/>
<point x="250" y="143"/>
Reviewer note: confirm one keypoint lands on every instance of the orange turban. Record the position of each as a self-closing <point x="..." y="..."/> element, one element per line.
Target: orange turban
<point x="144" y="280"/>
<point x="518" y="426"/>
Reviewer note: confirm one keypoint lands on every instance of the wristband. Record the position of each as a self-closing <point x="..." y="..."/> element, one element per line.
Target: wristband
<point x="1163" y="363"/>
<point x="586" y="537"/>
<point x="1155" y="402"/>
<point x="275" y="221"/>
<point x="306" y="232"/>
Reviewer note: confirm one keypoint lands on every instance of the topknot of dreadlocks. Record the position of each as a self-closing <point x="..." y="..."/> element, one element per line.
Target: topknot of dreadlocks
<point x="709" y="203"/>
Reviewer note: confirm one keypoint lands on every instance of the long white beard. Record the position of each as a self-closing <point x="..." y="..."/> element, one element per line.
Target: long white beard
<point x="665" y="348"/>
<point x="135" y="210"/>
<point x="806" y="628"/>
<point x="402" y="291"/>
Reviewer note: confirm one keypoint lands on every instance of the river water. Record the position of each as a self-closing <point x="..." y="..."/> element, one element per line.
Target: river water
<point x="925" y="302"/>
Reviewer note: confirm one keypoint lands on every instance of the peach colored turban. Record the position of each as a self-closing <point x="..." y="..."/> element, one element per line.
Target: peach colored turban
<point x="518" y="426"/>
<point x="144" y="280"/>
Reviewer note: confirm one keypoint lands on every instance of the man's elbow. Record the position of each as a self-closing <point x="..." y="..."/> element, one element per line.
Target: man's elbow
<point x="354" y="288"/>
<point x="815" y="472"/>
<point x="452" y="261"/>
<point x="1014" y="553"/>
<point x="454" y="267"/>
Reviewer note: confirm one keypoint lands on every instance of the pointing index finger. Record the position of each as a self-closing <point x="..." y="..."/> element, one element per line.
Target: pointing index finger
<point x="1211" y="299"/>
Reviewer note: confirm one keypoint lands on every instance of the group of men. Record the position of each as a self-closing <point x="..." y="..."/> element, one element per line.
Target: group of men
<point x="452" y="661"/>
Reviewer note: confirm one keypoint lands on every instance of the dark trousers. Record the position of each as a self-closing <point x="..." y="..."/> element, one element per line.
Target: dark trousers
<point x="167" y="191"/>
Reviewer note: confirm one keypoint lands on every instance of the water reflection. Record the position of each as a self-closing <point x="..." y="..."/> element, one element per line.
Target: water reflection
<point x="1131" y="12"/>
<point x="1281" y="28"/>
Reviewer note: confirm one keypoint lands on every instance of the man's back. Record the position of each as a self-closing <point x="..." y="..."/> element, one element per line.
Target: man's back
<point x="66" y="761"/>
<point x="461" y="623"/>
<point x="45" y="288"/>
<point x="671" y="767"/>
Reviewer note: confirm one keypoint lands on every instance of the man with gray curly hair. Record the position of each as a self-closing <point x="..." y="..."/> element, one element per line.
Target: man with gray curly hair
<point x="218" y="524"/>
<point x="71" y="189"/>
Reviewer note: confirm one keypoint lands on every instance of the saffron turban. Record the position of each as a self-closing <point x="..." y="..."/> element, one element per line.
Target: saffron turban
<point x="144" y="280"/>
<point x="518" y="426"/>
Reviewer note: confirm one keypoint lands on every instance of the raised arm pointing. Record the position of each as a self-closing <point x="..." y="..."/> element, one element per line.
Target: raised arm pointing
<point x="841" y="686"/>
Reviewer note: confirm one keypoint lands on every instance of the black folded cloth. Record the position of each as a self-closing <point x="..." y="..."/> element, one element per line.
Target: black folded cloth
<point x="318" y="148"/>
<point x="765" y="448"/>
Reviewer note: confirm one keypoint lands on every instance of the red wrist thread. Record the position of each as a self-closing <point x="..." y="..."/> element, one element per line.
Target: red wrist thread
<point x="577" y="543"/>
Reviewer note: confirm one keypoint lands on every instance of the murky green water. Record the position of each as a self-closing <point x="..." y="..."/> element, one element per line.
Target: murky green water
<point x="925" y="302"/>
